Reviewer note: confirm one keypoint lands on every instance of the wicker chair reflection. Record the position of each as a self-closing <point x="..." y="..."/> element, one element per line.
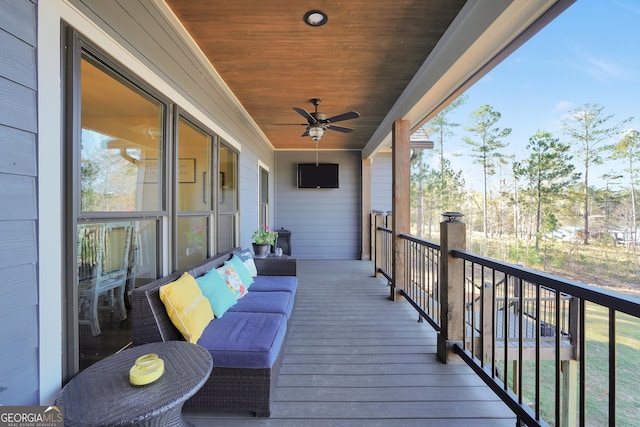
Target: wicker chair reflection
<point x="103" y="263"/>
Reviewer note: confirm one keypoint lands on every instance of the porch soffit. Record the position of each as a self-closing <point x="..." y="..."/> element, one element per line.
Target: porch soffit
<point x="361" y="60"/>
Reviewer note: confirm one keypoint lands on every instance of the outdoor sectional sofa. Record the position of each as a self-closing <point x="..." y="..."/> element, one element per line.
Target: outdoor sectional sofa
<point x="246" y="342"/>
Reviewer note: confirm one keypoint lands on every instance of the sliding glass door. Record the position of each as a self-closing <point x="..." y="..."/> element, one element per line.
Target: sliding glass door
<point x="119" y="204"/>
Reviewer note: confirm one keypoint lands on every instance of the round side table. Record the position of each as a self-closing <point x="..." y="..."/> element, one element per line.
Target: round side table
<point x="102" y="395"/>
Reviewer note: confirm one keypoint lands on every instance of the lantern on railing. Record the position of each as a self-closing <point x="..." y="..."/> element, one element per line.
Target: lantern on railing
<point x="452" y="216"/>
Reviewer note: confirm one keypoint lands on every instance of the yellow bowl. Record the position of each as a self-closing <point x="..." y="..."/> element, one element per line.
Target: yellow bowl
<point x="147" y="369"/>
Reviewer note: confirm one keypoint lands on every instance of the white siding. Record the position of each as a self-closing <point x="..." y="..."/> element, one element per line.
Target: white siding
<point x="18" y="212"/>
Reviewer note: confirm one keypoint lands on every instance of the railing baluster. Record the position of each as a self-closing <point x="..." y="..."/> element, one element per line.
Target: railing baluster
<point x="537" y="361"/>
<point x="612" y="367"/>
<point x="493" y="323"/>
<point x="472" y="304"/>
<point x="558" y="371"/>
<point x="465" y="303"/>
<point x="583" y="367"/>
<point x="521" y="333"/>
<point x="505" y="320"/>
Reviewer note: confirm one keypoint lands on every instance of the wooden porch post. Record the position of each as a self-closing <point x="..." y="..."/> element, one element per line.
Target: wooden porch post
<point x="401" y="160"/>
<point x="452" y="236"/>
<point x="365" y="253"/>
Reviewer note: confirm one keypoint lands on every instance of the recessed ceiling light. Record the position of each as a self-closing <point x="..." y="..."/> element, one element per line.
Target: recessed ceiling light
<point x="315" y="18"/>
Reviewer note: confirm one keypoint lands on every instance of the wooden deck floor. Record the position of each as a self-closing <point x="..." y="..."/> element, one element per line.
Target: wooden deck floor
<point x="355" y="358"/>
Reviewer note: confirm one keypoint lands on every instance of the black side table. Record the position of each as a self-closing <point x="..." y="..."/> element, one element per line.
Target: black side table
<point x="102" y="395"/>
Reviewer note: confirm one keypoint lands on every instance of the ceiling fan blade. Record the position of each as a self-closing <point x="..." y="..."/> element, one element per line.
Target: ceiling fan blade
<point x="306" y="133"/>
<point x="340" y="129"/>
<point x="304" y="113"/>
<point x="344" y="116"/>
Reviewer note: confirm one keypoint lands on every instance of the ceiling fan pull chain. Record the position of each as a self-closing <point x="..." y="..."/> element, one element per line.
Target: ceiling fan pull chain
<point x="316" y="152"/>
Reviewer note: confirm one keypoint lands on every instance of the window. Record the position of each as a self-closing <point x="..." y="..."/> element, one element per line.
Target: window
<point x="121" y="149"/>
<point x="227" y="198"/>
<point x="264" y="196"/>
<point x="194" y="195"/>
<point x="118" y="205"/>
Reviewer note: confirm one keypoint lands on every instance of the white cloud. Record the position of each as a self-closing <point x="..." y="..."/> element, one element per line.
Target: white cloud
<point x="604" y="70"/>
<point x="564" y="106"/>
<point x="598" y="67"/>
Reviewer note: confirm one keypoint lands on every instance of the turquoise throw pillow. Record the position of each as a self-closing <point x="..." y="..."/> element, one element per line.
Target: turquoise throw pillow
<point x="232" y="280"/>
<point x="217" y="292"/>
<point x="242" y="270"/>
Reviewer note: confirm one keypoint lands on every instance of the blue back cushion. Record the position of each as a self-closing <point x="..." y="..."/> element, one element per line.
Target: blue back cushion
<point x="266" y="302"/>
<point x="275" y="283"/>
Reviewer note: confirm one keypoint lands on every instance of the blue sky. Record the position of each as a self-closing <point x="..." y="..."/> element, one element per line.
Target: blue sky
<point x="589" y="54"/>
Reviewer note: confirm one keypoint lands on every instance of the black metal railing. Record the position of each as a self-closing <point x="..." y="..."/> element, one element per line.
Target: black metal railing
<point x="553" y="349"/>
<point x="526" y="330"/>
<point x="385" y="264"/>
<point x="422" y="274"/>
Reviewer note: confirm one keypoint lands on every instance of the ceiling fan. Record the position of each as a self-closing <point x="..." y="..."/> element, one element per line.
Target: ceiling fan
<point x="318" y="122"/>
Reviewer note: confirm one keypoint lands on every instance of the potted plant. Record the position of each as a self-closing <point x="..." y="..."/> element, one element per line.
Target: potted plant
<point x="263" y="238"/>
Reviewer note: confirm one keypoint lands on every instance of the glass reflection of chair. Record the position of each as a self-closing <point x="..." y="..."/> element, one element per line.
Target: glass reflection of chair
<point x="103" y="263"/>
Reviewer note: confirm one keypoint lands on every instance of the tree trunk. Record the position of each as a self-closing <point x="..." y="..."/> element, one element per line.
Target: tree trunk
<point x="633" y="206"/>
<point x="586" y="199"/>
<point x="538" y="217"/>
<point x="484" y="200"/>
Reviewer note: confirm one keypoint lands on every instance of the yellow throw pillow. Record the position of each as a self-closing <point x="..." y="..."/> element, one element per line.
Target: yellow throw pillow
<point x="187" y="308"/>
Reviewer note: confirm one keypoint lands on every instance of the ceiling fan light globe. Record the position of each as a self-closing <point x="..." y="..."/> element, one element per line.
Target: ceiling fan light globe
<point x="316" y="132"/>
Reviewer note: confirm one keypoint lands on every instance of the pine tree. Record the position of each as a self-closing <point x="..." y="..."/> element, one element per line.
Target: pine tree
<point x="485" y="150"/>
<point x="587" y="128"/>
<point x="629" y="149"/>
<point x="548" y="171"/>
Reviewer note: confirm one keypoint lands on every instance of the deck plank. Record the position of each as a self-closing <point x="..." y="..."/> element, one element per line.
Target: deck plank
<point x="355" y="358"/>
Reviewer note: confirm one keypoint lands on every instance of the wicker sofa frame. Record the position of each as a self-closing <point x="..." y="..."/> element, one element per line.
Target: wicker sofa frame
<point x="227" y="389"/>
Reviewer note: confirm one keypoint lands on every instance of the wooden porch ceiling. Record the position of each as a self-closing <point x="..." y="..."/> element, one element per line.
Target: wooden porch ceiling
<point x="361" y="60"/>
<point x="403" y="59"/>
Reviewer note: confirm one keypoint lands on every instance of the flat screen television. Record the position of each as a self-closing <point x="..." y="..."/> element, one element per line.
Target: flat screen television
<point x="323" y="175"/>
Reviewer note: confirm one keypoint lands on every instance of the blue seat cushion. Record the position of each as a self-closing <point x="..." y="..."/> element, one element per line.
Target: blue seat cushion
<point x="245" y="340"/>
<point x="275" y="283"/>
<point x="265" y="302"/>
